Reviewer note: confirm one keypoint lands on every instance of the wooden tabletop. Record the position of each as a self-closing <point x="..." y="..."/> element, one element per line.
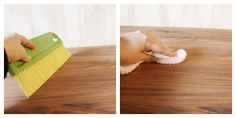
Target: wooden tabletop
<point x="201" y="84"/>
<point x="84" y="84"/>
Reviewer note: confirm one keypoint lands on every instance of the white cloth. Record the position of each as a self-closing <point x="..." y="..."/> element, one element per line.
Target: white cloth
<point x="160" y="58"/>
<point x="163" y="59"/>
<point x="129" y="68"/>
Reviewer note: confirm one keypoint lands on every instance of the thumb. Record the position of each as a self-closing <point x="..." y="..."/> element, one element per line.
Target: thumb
<point x="162" y="49"/>
<point x="26" y="58"/>
<point x="169" y="52"/>
<point x="156" y="46"/>
<point x="143" y="56"/>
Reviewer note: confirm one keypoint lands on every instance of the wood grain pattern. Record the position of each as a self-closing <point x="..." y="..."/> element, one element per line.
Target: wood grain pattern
<point x="201" y="84"/>
<point x="84" y="84"/>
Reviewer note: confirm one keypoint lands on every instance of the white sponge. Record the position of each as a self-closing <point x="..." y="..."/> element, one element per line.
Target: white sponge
<point x="129" y="68"/>
<point x="163" y="59"/>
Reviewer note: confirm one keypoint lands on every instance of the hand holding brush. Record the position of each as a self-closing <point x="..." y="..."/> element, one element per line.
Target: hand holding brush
<point x="14" y="46"/>
<point x="14" y="49"/>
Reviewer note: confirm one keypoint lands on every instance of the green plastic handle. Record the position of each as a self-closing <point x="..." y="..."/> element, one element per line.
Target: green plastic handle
<point x="44" y="44"/>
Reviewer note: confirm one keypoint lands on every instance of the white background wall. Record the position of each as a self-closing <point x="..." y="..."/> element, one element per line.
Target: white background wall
<point x="201" y="16"/>
<point x="76" y="25"/>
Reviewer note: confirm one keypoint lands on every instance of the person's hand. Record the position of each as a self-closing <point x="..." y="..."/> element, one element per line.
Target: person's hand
<point x="14" y="48"/>
<point x="136" y="46"/>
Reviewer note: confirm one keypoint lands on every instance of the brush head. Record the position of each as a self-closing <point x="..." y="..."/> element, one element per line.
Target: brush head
<point x="163" y="59"/>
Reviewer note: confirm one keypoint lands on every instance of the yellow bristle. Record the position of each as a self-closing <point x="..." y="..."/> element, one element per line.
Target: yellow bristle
<point x="33" y="77"/>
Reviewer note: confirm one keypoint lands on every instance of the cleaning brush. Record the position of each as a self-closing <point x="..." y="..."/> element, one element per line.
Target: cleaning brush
<point x="47" y="57"/>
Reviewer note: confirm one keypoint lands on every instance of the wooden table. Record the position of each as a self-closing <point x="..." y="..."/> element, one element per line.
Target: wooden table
<point x="201" y="84"/>
<point x="84" y="84"/>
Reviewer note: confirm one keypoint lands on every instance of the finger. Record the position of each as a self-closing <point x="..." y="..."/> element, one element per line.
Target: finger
<point x="161" y="49"/>
<point x="169" y="52"/>
<point x="23" y="56"/>
<point x="143" y="56"/>
<point x="150" y="59"/>
<point x="153" y="45"/>
<point x="27" y="43"/>
<point x="26" y="58"/>
<point x="156" y="46"/>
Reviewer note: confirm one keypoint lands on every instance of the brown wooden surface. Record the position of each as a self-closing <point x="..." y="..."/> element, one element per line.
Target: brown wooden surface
<point x="84" y="84"/>
<point x="201" y="84"/>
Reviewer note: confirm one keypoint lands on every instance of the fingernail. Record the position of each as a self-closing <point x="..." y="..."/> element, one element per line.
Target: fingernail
<point x="29" y="58"/>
